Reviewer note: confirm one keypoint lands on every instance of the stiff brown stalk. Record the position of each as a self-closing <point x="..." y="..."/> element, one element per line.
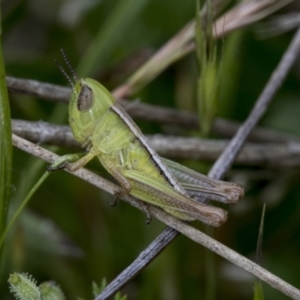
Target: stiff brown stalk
<point x="181" y="44"/>
<point x="276" y="155"/>
<point x="168" y="234"/>
<point x="144" y="111"/>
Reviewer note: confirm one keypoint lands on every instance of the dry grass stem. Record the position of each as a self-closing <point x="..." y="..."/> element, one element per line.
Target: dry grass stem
<point x="181" y="44"/>
<point x="224" y="162"/>
<point x="179" y="226"/>
<point x="275" y="155"/>
<point x="144" y="111"/>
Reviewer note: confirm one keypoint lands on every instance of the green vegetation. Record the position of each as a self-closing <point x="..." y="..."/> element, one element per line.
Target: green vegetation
<point x="67" y="232"/>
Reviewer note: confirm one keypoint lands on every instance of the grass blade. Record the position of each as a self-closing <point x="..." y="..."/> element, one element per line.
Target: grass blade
<point x="5" y="146"/>
<point x="110" y="34"/>
<point x="258" y="290"/>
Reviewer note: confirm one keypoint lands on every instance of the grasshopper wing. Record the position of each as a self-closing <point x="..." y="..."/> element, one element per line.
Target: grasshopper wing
<point x="201" y="188"/>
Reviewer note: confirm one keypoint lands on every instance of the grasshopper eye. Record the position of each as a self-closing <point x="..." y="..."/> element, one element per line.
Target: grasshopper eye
<point x="85" y="99"/>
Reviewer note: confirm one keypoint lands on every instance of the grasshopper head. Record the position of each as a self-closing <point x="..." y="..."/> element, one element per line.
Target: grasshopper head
<point x="89" y="101"/>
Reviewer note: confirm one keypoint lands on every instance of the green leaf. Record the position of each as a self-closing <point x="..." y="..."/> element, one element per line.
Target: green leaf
<point x="119" y="296"/>
<point x="98" y="289"/>
<point x="51" y="291"/>
<point x="24" y="287"/>
<point x="5" y="147"/>
<point x="258" y="291"/>
<point x="21" y="207"/>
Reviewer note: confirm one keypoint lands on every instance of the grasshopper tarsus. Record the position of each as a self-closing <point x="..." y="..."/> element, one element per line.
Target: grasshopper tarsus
<point x="52" y="168"/>
<point x="114" y="201"/>
<point x="116" y="196"/>
<point x="145" y="209"/>
<point x="148" y="220"/>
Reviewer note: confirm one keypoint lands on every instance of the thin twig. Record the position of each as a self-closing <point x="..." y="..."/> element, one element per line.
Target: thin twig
<point x="222" y="164"/>
<point x="144" y="111"/>
<point x="288" y="59"/>
<point x="276" y="155"/>
<point x="39" y="89"/>
<point x="168" y="235"/>
<point x="278" y="25"/>
<point x="231" y="256"/>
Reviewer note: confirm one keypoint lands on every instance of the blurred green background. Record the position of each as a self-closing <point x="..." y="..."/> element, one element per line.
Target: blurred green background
<point x="69" y="233"/>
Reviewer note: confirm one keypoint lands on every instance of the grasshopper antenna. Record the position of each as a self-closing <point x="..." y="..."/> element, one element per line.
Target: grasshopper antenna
<point x="60" y="67"/>
<point x="72" y="70"/>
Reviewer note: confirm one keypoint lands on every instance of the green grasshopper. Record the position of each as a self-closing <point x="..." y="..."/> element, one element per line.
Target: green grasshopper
<point x="102" y="126"/>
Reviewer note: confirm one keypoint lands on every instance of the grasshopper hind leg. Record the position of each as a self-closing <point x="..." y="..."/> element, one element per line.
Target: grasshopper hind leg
<point x="144" y="208"/>
<point x="114" y="201"/>
<point x="126" y="189"/>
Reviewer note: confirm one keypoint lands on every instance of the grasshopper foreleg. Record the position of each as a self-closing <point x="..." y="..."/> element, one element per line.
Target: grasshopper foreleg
<point x="73" y="162"/>
<point x="61" y="162"/>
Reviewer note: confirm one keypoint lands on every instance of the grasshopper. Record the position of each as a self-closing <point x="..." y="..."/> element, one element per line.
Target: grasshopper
<point x="103" y="127"/>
